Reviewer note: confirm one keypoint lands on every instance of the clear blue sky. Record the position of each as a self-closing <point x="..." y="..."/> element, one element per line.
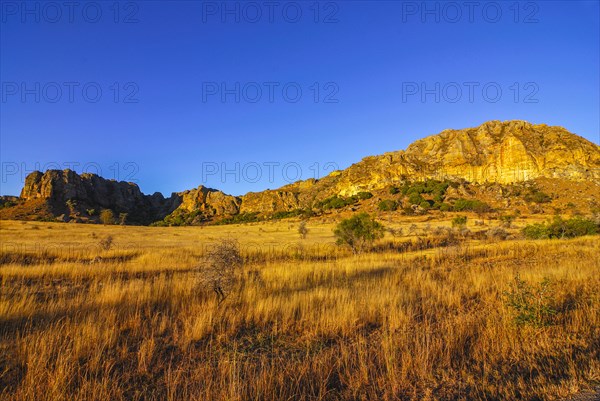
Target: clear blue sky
<point x="167" y="127"/>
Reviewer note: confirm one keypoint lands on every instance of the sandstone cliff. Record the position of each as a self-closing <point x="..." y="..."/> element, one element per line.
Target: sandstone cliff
<point x="495" y="152"/>
<point x="83" y="196"/>
<point x="501" y="152"/>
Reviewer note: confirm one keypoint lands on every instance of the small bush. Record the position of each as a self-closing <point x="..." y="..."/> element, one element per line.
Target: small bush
<point x="531" y="305"/>
<point x="106" y="243"/>
<point x="336" y="202"/>
<point x="107" y="217"/>
<point x="497" y="233"/>
<point x="415" y="199"/>
<point x="538" y="197"/>
<point x="445" y="207"/>
<point x="358" y="232"/>
<point x="302" y="230"/>
<point x="459" y="221"/>
<point x="560" y="228"/>
<point x="364" y="195"/>
<point x="219" y="267"/>
<point x="388" y="205"/>
<point x="474" y="205"/>
<point x="425" y="205"/>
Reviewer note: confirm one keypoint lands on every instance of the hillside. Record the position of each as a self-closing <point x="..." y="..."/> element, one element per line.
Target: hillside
<point x="502" y="164"/>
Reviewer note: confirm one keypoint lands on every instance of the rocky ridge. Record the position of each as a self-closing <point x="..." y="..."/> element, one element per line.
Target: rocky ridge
<point x="494" y="153"/>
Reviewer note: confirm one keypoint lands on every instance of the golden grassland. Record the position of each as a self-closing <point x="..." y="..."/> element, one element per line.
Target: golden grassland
<point x="306" y="321"/>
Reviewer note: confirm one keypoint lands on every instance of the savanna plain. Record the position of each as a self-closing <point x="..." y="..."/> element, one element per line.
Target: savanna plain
<point x="93" y="312"/>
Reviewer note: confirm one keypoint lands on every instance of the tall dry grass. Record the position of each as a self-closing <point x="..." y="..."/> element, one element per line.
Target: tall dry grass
<point x="307" y="321"/>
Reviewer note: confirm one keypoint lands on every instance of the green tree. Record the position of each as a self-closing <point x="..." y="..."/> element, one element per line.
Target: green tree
<point x="388" y="205"/>
<point x="358" y="232"/>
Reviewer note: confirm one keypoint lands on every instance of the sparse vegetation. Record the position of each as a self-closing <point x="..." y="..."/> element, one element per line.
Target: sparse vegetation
<point x="358" y="232"/>
<point x="474" y="205"/>
<point x="531" y="305"/>
<point x="220" y="266"/>
<point x="537" y="196"/>
<point x="336" y="202"/>
<point x="302" y="229"/>
<point x="239" y="219"/>
<point x="561" y="228"/>
<point x="459" y="221"/>
<point x="106" y="242"/>
<point x="107" y="217"/>
<point x="388" y="205"/>
<point x="407" y="321"/>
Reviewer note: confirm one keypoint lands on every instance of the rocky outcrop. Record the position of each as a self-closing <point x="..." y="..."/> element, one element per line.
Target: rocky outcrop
<point x="209" y="201"/>
<point x="495" y="152"/>
<point x="501" y="152"/>
<point x="83" y="196"/>
<point x="270" y="201"/>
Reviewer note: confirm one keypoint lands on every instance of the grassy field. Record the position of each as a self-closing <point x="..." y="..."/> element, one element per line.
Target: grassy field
<point x="478" y="319"/>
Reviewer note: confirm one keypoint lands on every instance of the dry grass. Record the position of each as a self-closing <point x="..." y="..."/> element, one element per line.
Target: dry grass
<point x="307" y="321"/>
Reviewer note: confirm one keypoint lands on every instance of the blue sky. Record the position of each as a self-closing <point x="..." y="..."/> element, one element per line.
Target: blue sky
<point x="174" y="94"/>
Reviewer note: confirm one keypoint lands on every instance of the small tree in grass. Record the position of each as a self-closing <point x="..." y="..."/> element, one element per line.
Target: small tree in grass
<point x="358" y="232"/>
<point x="107" y="217"/>
<point x="302" y="229"/>
<point x="459" y="221"/>
<point x="219" y="267"/>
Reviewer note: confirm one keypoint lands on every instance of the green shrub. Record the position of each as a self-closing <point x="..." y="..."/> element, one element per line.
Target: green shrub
<point x="358" y="232"/>
<point x="408" y="211"/>
<point x="388" y="205"/>
<point x="531" y="305"/>
<point x="537" y="196"/>
<point x="364" y="195"/>
<point x="286" y="214"/>
<point x="560" y="228"/>
<point x="425" y="205"/>
<point x="445" y="207"/>
<point x="459" y="221"/>
<point x="394" y="190"/>
<point x="434" y="187"/>
<point x="536" y="231"/>
<point x="461" y="205"/>
<point x="415" y="199"/>
<point x="240" y="218"/>
<point x="336" y="202"/>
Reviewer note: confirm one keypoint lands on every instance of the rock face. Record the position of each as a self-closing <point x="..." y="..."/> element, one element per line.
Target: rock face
<point x="495" y="152"/>
<point x="209" y="201"/>
<point x="502" y="152"/>
<point x="67" y="192"/>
